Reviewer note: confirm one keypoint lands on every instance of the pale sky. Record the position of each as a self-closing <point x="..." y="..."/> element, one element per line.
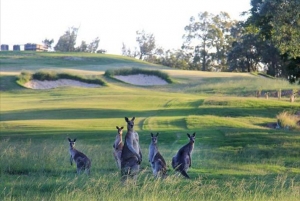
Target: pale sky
<point x="113" y="21"/>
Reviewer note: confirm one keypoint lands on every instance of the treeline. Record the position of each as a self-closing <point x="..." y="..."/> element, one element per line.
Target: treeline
<point x="67" y="42"/>
<point x="269" y="40"/>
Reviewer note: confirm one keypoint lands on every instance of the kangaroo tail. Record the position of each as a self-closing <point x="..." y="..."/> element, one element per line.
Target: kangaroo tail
<point x="183" y="172"/>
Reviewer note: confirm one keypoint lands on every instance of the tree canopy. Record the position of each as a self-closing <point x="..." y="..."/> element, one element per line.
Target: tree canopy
<point x="278" y="23"/>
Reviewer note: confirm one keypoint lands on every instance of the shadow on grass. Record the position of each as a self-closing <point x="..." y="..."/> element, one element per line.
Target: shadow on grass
<point x="109" y="113"/>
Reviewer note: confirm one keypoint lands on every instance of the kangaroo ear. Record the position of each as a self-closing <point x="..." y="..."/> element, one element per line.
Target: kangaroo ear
<point x="74" y="140"/>
<point x="69" y="139"/>
<point x="188" y="135"/>
<point x="156" y="134"/>
<point x="126" y="119"/>
<point x="151" y="134"/>
<point x="122" y="127"/>
<point x="133" y="118"/>
<point x="194" y="134"/>
<point x="117" y="127"/>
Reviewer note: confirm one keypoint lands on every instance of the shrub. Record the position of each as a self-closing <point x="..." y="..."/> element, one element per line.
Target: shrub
<point x="135" y="71"/>
<point x="45" y="75"/>
<point x="52" y="75"/>
<point x="24" y="77"/>
<point x="287" y="120"/>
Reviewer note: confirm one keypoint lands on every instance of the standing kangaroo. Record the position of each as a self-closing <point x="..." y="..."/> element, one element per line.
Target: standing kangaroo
<point x="158" y="163"/>
<point x="131" y="156"/>
<point x="182" y="161"/>
<point x="81" y="160"/>
<point x="118" y="146"/>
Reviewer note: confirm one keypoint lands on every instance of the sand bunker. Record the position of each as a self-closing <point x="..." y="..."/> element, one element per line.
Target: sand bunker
<point x="141" y="79"/>
<point x="37" y="84"/>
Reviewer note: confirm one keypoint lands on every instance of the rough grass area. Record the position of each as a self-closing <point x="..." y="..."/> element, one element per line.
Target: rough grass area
<point x="136" y="71"/>
<point x="236" y="155"/>
<point x="289" y="121"/>
<point x="43" y="75"/>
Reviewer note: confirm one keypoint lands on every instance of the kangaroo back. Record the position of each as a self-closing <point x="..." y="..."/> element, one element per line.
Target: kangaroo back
<point x="182" y="161"/>
<point x="158" y="163"/>
<point x="131" y="156"/>
<point x="83" y="163"/>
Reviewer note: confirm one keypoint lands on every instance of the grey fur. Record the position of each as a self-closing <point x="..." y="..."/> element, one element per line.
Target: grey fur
<point x="131" y="156"/>
<point x="81" y="160"/>
<point x="157" y="162"/>
<point x="182" y="161"/>
<point x="118" y="146"/>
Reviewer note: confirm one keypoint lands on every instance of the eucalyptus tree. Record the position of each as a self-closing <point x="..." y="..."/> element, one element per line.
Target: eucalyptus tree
<point x="278" y="22"/>
<point x="209" y="39"/>
<point x="179" y="59"/>
<point x="222" y="38"/>
<point x="66" y="42"/>
<point x="198" y="39"/>
<point x="48" y="43"/>
<point x="245" y="55"/>
<point x="93" y="46"/>
<point x="146" y="43"/>
<point x="82" y="48"/>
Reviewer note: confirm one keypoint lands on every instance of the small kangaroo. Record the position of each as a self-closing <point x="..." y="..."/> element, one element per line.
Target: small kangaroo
<point x="131" y="156"/>
<point x="118" y="146"/>
<point x="158" y="163"/>
<point x="182" y="161"/>
<point x="81" y="160"/>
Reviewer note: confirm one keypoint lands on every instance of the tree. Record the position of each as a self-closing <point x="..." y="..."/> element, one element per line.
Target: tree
<point x="93" y="46"/>
<point x="278" y="22"/>
<point x="146" y="43"/>
<point x="83" y="47"/>
<point x="221" y="38"/>
<point x="127" y="51"/>
<point x="66" y="42"/>
<point x="48" y="43"/>
<point x="208" y="39"/>
<point x="198" y="38"/>
<point x="245" y="54"/>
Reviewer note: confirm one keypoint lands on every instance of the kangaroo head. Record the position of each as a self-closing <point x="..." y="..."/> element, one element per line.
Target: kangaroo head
<point x="154" y="138"/>
<point x="191" y="137"/>
<point x="72" y="142"/>
<point x="120" y="130"/>
<point x="130" y="123"/>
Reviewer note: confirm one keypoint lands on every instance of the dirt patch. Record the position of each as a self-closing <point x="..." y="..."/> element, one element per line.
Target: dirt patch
<point x="142" y="79"/>
<point x="37" y="84"/>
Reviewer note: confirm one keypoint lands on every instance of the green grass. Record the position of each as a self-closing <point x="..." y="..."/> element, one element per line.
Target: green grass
<point x="236" y="155"/>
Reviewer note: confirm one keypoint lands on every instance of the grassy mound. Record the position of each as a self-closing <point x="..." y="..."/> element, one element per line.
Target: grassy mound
<point x="136" y="71"/>
<point x="43" y="75"/>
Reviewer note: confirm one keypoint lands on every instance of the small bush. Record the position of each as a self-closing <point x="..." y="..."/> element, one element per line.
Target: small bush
<point x="135" y="71"/>
<point x="287" y="120"/>
<point x="52" y="75"/>
<point x="24" y="77"/>
<point x="45" y="75"/>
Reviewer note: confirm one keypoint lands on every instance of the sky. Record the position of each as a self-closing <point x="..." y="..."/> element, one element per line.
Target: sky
<point x="113" y="21"/>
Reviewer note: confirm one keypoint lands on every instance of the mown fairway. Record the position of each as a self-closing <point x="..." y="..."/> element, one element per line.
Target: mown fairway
<point x="236" y="156"/>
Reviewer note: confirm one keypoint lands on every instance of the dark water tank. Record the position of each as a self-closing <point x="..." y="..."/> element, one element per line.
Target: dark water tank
<point x="4" y="47"/>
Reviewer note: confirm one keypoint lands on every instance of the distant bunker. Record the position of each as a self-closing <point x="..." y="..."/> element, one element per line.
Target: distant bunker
<point x="138" y="79"/>
<point x="141" y="79"/>
<point x="51" y="84"/>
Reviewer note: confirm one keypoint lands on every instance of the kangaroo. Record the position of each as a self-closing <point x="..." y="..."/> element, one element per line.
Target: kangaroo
<point x="131" y="156"/>
<point x="158" y="163"/>
<point x="182" y="161"/>
<point x="118" y="146"/>
<point x="81" y="160"/>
